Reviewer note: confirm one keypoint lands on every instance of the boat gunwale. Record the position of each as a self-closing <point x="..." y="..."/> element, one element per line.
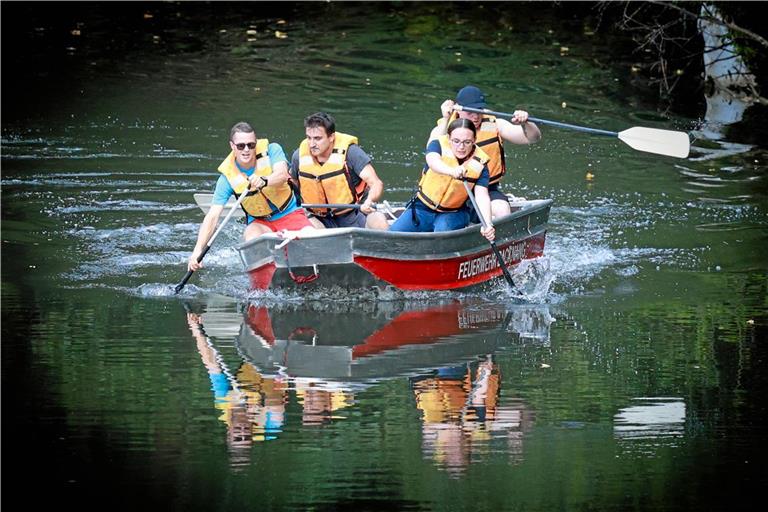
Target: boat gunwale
<point x="531" y="207"/>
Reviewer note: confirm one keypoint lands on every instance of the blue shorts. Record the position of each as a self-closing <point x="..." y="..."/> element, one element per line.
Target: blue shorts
<point x="428" y="220"/>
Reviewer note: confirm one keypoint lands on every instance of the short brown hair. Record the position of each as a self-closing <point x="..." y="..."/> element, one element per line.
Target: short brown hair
<point x="321" y="119"/>
<point x="241" y="127"/>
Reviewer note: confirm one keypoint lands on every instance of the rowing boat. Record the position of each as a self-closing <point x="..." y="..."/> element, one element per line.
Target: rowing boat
<point x="361" y="258"/>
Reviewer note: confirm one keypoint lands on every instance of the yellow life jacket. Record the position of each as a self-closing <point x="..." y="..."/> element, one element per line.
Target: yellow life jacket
<point x="444" y="193"/>
<point x="330" y="181"/>
<point x="489" y="139"/>
<point x="257" y="205"/>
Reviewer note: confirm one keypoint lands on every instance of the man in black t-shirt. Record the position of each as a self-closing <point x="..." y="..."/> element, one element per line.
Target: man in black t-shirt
<point x="329" y="167"/>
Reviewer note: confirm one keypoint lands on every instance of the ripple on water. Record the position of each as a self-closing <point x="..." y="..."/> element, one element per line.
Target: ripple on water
<point x="120" y="205"/>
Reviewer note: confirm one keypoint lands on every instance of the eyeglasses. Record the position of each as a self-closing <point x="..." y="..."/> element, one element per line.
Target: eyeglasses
<point x="241" y="146"/>
<point x="465" y="143"/>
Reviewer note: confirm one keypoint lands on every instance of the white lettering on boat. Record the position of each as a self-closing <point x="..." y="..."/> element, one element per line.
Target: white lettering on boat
<point x="487" y="263"/>
<point x="470" y="319"/>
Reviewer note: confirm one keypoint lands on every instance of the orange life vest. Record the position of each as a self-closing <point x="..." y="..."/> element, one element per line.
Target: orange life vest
<point x="444" y="193"/>
<point x="329" y="182"/>
<point x="489" y="140"/>
<point x="257" y="205"/>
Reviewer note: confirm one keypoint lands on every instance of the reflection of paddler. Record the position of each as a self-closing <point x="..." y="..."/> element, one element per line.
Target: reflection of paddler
<point x="320" y="400"/>
<point x="459" y="393"/>
<point x="458" y="405"/>
<point x="484" y="395"/>
<point x="265" y="399"/>
<point x="251" y="406"/>
<point x="441" y="398"/>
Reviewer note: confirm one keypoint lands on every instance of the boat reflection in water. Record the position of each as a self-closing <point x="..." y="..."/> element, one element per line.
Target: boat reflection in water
<point x="324" y="357"/>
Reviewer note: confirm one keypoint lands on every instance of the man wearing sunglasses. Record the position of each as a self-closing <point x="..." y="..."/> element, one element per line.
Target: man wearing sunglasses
<point x="331" y="168"/>
<point x="260" y="167"/>
<point x="491" y="134"/>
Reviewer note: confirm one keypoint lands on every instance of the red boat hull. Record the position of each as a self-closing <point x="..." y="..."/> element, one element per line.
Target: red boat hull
<point x="429" y="274"/>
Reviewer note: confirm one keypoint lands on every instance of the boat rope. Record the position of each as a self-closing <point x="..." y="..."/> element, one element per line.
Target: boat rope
<point x="301" y="331"/>
<point x="284" y="245"/>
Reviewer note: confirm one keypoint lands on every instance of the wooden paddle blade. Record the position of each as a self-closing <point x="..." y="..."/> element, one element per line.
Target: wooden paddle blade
<point x="661" y="142"/>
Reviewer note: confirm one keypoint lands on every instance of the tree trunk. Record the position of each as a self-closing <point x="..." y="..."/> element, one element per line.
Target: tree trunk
<point x="729" y="86"/>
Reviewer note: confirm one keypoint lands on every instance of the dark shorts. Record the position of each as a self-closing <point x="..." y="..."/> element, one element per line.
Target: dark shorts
<point x="495" y="195"/>
<point x="353" y="219"/>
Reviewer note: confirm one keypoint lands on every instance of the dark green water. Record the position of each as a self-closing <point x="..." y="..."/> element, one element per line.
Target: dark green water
<point x="632" y="379"/>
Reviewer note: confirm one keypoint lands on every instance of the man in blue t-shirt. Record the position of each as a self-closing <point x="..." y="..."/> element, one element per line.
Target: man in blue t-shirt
<point x="263" y="169"/>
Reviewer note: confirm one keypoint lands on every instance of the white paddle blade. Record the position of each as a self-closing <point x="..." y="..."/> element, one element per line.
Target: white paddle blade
<point x="661" y="142"/>
<point x="204" y="202"/>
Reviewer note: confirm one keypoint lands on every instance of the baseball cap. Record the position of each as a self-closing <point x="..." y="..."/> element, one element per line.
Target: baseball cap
<point x="471" y="96"/>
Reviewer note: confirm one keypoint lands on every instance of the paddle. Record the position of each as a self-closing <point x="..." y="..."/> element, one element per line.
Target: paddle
<point x="334" y="205"/>
<point x="210" y="241"/>
<point x="650" y="140"/>
<point x="204" y="202"/>
<point x="503" y="265"/>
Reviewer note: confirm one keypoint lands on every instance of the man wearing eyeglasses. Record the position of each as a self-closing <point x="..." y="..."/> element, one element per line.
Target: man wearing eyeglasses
<point x="329" y="167"/>
<point x="260" y="167"/>
<point x="491" y="134"/>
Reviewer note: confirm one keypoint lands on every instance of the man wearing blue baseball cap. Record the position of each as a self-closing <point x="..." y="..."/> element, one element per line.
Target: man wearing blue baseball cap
<point x="491" y="134"/>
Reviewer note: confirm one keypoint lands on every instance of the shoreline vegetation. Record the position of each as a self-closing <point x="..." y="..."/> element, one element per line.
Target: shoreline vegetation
<point x="656" y="48"/>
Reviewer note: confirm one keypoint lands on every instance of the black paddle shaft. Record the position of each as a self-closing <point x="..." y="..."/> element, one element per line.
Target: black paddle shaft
<point x="557" y="124"/>
<point x="503" y="266"/>
<point x="496" y="251"/>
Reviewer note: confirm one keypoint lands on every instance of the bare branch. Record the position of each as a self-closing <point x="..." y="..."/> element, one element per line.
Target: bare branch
<point x="713" y="19"/>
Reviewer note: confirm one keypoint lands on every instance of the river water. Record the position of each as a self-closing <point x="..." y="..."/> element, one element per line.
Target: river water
<point x="630" y="378"/>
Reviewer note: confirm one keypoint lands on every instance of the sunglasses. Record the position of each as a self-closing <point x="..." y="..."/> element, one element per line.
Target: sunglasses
<point x="241" y="146"/>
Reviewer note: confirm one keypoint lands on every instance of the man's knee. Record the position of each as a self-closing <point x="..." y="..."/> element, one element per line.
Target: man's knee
<point x="255" y="229"/>
<point x="316" y="222"/>
<point x="376" y="220"/>
<point x="500" y="208"/>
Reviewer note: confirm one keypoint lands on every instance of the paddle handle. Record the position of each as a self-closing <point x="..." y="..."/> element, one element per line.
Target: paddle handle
<point x="496" y="251"/>
<point x="189" y="273"/>
<point x="541" y="121"/>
